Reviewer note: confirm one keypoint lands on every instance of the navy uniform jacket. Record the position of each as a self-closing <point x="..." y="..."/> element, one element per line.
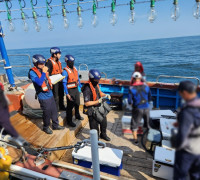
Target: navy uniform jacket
<point x="188" y="137"/>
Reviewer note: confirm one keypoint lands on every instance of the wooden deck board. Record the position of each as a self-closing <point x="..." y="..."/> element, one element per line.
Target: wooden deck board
<point x="31" y="130"/>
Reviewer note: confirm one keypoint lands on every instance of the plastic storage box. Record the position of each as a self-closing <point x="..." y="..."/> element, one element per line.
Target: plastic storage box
<point x="166" y="144"/>
<point x="163" y="162"/>
<point x="126" y="124"/>
<point x="157" y="114"/>
<point x="110" y="159"/>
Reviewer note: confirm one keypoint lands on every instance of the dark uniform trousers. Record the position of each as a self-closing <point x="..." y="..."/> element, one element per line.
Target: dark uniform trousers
<point x="49" y="112"/>
<point x="137" y="115"/>
<point x="58" y="93"/>
<point x="5" y="122"/>
<point x="95" y="125"/>
<point x="185" y="163"/>
<point x="75" y="95"/>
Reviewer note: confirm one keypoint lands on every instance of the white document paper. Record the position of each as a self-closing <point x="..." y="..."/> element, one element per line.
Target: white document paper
<point x="56" y="78"/>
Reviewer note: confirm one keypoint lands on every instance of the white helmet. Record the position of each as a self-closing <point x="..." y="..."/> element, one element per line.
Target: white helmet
<point x="137" y="75"/>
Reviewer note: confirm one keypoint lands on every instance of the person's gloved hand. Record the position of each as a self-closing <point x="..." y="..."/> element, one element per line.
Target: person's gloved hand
<point x="100" y="100"/>
<point x="108" y="96"/>
<point x="20" y="141"/>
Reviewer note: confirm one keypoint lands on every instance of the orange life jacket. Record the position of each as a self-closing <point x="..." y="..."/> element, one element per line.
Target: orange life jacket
<point x="57" y="67"/>
<point x="94" y="93"/>
<point x="72" y="81"/>
<point x="44" y="85"/>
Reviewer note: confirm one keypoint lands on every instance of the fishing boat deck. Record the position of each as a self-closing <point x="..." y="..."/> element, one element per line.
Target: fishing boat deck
<point x="137" y="164"/>
<point x="31" y="130"/>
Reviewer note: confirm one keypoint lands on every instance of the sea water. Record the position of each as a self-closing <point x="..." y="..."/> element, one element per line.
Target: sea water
<point x="173" y="56"/>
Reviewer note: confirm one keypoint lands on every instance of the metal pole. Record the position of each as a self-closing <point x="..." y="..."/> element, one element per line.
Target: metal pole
<point x="4" y="55"/>
<point x="95" y="154"/>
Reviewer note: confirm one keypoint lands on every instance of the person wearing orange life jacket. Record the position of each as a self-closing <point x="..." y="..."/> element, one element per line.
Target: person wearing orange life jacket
<point x="93" y="98"/>
<point x="70" y="84"/>
<point x="43" y="87"/>
<point x="55" y="67"/>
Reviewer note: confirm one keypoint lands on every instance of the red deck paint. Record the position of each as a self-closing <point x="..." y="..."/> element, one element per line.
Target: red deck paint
<point x="128" y="131"/>
<point x="50" y="171"/>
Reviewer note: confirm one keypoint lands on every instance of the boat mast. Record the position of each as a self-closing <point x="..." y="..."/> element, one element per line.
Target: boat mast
<point x="5" y="59"/>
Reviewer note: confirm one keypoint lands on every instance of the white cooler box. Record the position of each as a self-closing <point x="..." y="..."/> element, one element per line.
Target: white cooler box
<point x="157" y="114"/>
<point x="166" y="144"/>
<point x="126" y="123"/>
<point x="163" y="163"/>
<point x="110" y="159"/>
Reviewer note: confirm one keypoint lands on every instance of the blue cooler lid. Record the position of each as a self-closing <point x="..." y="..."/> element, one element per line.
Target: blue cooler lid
<point x="107" y="156"/>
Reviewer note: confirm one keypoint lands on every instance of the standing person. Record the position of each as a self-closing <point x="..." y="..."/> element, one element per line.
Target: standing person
<point x="55" y="67"/>
<point x="187" y="140"/>
<point x="139" y="97"/>
<point x="70" y="84"/>
<point x="139" y="68"/>
<point x="39" y="76"/>
<point x="5" y="120"/>
<point x="92" y="98"/>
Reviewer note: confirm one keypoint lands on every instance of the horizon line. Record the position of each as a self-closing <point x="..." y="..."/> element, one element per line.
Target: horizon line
<point x="109" y="42"/>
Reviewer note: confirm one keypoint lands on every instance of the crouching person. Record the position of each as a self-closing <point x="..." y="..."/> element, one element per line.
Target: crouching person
<point x="93" y="98"/>
<point x="43" y="87"/>
<point x="187" y="139"/>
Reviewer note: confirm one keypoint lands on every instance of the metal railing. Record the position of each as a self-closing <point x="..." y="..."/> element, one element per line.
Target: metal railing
<point x="29" y="58"/>
<point x="180" y="77"/>
<point x="104" y="74"/>
<point x="79" y="68"/>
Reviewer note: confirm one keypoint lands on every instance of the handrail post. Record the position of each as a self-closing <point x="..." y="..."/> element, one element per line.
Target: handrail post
<point x="95" y="154"/>
<point x="4" y="55"/>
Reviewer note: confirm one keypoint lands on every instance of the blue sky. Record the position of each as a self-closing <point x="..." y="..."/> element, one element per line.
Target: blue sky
<point x="163" y="27"/>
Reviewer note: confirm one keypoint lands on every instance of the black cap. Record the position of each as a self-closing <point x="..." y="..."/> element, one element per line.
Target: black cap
<point x="188" y="86"/>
